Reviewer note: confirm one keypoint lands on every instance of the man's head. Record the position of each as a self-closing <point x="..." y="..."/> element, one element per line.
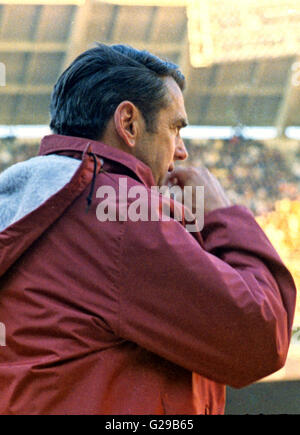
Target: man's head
<point x="109" y="89"/>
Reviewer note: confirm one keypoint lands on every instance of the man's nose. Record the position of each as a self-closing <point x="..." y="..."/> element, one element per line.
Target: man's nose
<point x="181" y="152"/>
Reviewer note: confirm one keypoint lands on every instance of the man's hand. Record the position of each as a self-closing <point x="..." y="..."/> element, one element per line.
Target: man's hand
<point x="214" y="195"/>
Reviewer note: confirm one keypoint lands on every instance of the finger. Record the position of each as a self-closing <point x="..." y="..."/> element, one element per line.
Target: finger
<point x="178" y="176"/>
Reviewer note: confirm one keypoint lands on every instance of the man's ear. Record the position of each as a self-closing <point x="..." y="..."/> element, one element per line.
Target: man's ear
<point x="127" y="120"/>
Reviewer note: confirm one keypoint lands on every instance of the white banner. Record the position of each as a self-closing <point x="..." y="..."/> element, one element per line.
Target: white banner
<point x="232" y="30"/>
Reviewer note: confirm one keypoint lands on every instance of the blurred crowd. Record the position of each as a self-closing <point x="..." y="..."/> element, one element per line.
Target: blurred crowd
<point x="13" y="151"/>
<point x="252" y="173"/>
<point x="282" y="226"/>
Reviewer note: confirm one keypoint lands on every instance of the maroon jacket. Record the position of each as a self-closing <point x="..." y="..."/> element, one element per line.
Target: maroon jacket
<point x="134" y="317"/>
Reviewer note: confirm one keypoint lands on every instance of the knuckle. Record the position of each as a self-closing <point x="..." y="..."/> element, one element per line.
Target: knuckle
<point x="193" y="170"/>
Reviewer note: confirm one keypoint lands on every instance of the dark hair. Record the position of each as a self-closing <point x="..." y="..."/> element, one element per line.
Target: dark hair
<point x="88" y="92"/>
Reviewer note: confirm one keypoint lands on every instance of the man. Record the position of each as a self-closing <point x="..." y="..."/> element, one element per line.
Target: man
<point x="129" y="316"/>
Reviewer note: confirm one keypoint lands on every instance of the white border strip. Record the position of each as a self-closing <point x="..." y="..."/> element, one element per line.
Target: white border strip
<point x="190" y="132"/>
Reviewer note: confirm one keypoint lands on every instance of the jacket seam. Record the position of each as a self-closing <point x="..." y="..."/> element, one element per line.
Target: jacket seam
<point x="117" y="280"/>
<point x="116" y="283"/>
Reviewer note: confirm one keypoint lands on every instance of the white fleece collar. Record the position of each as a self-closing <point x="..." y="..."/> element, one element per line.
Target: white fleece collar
<point x="26" y="185"/>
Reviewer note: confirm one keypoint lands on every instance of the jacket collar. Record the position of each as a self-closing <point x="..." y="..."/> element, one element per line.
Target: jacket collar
<point x="57" y="143"/>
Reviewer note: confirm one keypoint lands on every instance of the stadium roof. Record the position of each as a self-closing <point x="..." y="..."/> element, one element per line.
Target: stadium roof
<point x="37" y="41"/>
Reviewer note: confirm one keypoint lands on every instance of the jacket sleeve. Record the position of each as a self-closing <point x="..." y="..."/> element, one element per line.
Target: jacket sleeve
<point x="222" y="308"/>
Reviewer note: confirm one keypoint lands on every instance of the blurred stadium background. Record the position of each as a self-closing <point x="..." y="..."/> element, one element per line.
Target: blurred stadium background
<point x="242" y="64"/>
